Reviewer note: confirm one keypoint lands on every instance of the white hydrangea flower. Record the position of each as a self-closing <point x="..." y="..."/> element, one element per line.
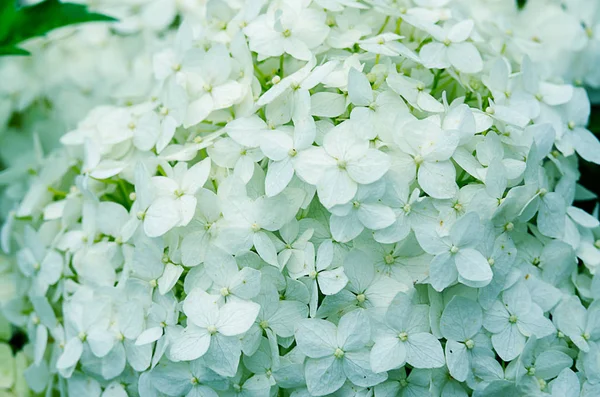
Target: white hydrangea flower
<point x="513" y="319"/>
<point x="175" y="200"/>
<point x="336" y="353"/>
<point x="343" y="162"/>
<point x="212" y="331"/>
<point x="579" y="324"/>
<point x="460" y="324"/>
<point x="290" y="27"/>
<point x="456" y="256"/>
<point x="406" y="338"/>
<point x="452" y="49"/>
<point x="364" y="211"/>
<point x="431" y="149"/>
<point x="324" y="279"/>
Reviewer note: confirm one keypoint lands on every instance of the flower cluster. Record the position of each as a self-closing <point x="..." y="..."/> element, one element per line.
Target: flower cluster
<point x="71" y="71"/>
<point x="323" y="197"/>
<point x="43" y="95"/>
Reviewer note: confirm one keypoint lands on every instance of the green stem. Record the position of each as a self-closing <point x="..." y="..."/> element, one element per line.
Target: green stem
<point x="281" y="65"/>
<point x="398" y="24"/>
<point x="58" y="193"/>
<point x="423" y="43"/>
<point x="436" y="79"/>
<point x="261" y="75"/>
<point x="387" y="19"/>
<point x="124" y="191"/>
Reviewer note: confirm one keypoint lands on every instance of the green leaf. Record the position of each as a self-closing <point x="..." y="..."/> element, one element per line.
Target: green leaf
<point x="8" y="10"/>
<point x="521" y="4"/>
<point x="20" y="24"/>
<point x="11" y="50"/>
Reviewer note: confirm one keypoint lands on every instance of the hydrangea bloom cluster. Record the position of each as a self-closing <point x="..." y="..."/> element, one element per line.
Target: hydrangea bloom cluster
<point x="43" y="96"/>
<point x="71" y="71"/>
<point x="323" y="197"/>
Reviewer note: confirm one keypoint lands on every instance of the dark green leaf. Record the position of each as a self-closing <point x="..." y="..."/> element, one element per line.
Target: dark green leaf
<point x="20" y="24"/>
<point x="8" y="9"/>
<point x="10" y="50"/>
<point x="521" y="4"/>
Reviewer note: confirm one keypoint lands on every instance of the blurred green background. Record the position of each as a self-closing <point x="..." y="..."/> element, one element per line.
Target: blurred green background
<point x="590" y="173"/>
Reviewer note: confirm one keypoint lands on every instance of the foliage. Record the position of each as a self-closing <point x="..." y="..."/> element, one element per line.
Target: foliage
<point x="18" y="24"/>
